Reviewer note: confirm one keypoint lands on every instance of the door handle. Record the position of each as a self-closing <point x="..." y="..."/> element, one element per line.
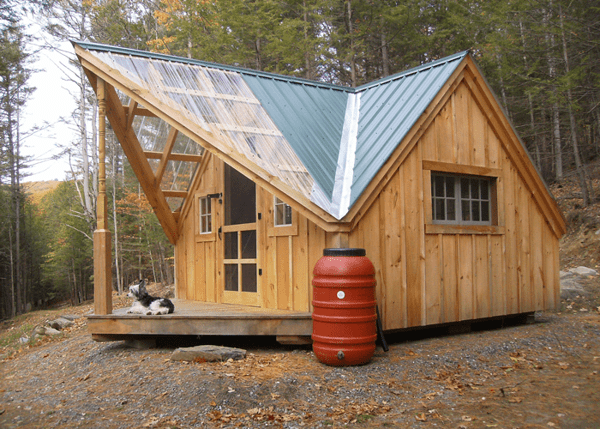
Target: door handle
<point x="219" y="231"/>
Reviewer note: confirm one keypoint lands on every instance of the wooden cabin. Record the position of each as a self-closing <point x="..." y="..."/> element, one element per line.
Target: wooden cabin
<point x="253" y="174"/>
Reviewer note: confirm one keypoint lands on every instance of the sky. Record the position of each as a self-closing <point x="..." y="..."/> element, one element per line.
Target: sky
<point x="50" y="102"/>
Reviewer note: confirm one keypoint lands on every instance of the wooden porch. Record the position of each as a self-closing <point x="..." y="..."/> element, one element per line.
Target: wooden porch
<point x="202" y="318"/>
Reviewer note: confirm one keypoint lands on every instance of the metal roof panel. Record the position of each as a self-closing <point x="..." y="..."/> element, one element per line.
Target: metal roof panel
<point x="310" y="118"/>
<point x="389" y="109"/>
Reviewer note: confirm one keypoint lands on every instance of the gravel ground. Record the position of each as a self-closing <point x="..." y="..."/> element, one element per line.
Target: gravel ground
<point x="536" y="375"/>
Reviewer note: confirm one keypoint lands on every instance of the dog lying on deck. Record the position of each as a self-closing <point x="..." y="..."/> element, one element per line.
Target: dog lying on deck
<point x="145" y="303"/>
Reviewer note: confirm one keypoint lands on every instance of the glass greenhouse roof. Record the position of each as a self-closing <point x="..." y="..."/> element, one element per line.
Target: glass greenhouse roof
<point x="221" y="103"/>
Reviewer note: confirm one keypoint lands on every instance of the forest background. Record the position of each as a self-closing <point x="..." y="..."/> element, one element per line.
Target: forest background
<point x="541" y="57"/>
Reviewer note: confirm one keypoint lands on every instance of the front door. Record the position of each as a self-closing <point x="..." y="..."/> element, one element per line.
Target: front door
<point x="240" y="283"/>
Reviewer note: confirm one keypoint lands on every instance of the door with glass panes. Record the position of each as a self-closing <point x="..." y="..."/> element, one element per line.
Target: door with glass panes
<point x="239" y="240"/>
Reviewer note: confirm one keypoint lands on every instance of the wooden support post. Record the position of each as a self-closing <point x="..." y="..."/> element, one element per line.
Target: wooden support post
<point x="338" y="240"/>
<point x="102" y="244"/>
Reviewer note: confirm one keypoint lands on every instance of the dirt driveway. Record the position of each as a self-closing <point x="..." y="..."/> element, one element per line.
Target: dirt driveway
<point x="539" y="375"/>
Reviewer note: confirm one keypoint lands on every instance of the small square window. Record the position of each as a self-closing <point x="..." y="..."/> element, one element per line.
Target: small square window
<point x="461" y="199"/>
<point x="283" y="213"/>
<point x="205" y="216"/>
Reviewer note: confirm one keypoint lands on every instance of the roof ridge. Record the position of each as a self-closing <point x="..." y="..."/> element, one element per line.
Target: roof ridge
<point x="293" y="79"/>
<point x="417" y="69"/>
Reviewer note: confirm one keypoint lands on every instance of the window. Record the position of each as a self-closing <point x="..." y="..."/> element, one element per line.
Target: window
<point x="283" y="213"/>
<point x="205" y="218"/>
<point x="464" y="200"/>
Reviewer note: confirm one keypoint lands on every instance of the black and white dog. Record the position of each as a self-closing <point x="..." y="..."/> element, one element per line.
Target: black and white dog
<point x="147" y="304"/>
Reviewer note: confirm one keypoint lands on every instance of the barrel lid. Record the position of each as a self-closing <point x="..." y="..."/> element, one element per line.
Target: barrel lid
<point x="344" y="252"/>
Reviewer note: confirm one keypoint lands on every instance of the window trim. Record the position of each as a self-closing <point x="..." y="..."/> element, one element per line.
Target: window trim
<point x="459" y="199"/>
<point x="282" y="230"/>
<point x="204" y="236"/>
<point x="496" y="196"/>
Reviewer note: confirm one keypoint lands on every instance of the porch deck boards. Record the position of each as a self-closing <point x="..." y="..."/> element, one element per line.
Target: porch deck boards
<point x="201" y="318"/>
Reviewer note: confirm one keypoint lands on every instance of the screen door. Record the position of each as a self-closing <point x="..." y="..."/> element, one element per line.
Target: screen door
<point x="239" y="240"/>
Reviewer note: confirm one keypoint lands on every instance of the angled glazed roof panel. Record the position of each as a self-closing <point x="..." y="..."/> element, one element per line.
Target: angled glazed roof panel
<point x="223" y="104"/>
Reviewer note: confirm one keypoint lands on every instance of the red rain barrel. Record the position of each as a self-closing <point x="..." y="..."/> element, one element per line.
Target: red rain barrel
<point x="344" y="315"/>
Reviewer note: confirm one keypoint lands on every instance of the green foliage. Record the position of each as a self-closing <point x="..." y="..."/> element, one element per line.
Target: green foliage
<point x="144" y="250"/>
<point x="68" y="265"/>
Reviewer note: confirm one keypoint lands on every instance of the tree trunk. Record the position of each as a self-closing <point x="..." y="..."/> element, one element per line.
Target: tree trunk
<point x="578" y="164"/>
<point x="352" y="54"/>
<point x="307" y="71"/>
<point x="385" y="60"/>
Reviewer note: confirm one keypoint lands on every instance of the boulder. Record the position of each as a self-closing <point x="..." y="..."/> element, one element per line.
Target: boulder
<point x="208" y="353"/>
<point x="60" y="323"/>
<point x="570" y="288"/>
<point x="39" y="330"/>
<point x="566" y="275"/>
<point x="70" y="317"/>
<point x="52" y="331"/>
<point x="583" y="271"/>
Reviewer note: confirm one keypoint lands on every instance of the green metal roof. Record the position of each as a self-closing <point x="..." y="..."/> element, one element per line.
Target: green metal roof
<point x="341" y="136"/>
<point x="388" y="110"/>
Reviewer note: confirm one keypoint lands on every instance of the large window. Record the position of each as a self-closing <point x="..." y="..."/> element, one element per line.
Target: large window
<point x="463" y="200"/>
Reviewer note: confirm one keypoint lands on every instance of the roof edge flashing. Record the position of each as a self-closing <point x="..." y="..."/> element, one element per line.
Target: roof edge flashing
<point x="344" y="174"/>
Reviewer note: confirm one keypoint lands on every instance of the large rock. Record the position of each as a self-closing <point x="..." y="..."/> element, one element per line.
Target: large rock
<point x="584" y="271"/>
<point x="208" y="353"/>
<point x="70" y="317"/>
<point x="52" y="331"/>
<point x="60" y="323"/>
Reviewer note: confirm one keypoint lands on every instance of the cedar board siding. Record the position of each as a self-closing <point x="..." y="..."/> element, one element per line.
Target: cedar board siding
<point x="425" y="274"/>
<point x="428" y="275"/>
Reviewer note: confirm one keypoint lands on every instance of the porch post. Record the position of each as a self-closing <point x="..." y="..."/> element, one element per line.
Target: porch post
<point x="102" y="245"/>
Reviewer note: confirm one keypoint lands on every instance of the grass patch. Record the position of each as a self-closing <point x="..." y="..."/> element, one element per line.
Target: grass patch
<point x="363" y="418"/>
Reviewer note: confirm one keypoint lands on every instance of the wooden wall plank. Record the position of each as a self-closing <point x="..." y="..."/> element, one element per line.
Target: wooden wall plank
<point x="522" y="229"/>
<point x="462" y="125"/>
<point x="283" y="256"/>
<point x="537" y="264"/>
<point x="180" y="284"/>
<point x="392" y="298"/>
<point x="497" y="277"/>
<point x="301" y="269"/>
<point x="428" y="144"/>
<point x="433" y="277"/>
<point x="414" y="238"/>
<point x="269" y="263"/>
<point x="190" y="262"/>
<point x="450" y="292"/>
<point x="513" y="299"/>
<point x="210" y="274"/>
<point x="200" y="257"/>
<point x="493" y="148"/>
<point x="444" y="134"/>
<point x="465" y="277"/>
<point x="316" y="244"/>
<point x="480" y="148"/>
<point x="481" y="277"/>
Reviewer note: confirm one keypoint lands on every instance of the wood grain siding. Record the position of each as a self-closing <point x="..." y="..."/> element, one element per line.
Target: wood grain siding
<point x="426" y="273"/>
<point x="434" y="274"/>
